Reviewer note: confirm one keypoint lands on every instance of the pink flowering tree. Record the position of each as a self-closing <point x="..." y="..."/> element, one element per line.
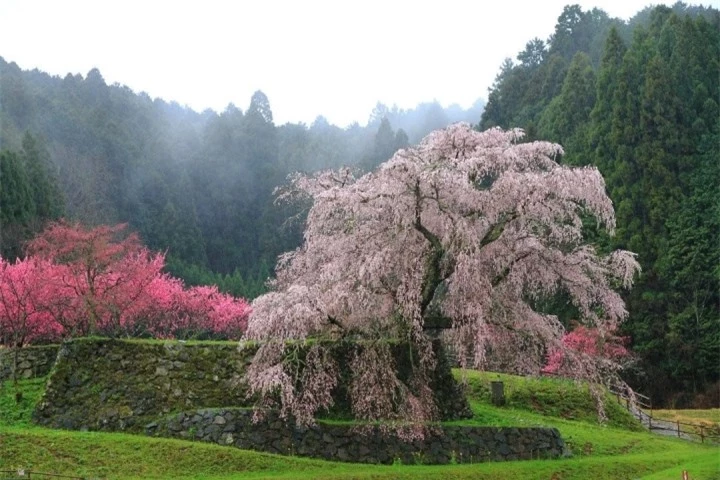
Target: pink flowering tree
<point x="23" y="320"/>
<point x="24" y="290"/>
<point x="197" y="311"/>
<point x="102" y="280"/>
<point x="586" y="346"/>
<point x="105" y="269"/>
<point x="467" y="231"/>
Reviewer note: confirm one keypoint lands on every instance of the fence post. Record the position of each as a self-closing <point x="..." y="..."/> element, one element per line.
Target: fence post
<point x="702" y="434"/>
<point x="678" y="427"/>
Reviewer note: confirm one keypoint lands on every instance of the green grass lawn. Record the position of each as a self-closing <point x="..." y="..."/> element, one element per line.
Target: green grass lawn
<point x="619" y="450"/>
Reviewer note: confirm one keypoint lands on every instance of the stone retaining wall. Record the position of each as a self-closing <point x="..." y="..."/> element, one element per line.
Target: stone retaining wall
<point x="31" y="361"/>
<point x="449" y="444"/>
<point x="104" y="384"/>
<point x="136" y="386"/>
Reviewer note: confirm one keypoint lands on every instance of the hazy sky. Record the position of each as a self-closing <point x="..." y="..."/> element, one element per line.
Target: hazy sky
<point x="335" y="58"/>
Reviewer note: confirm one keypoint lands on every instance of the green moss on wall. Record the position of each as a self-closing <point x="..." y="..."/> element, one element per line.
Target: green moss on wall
<point x="102" y="384"/>
<point x="108" y="384"/>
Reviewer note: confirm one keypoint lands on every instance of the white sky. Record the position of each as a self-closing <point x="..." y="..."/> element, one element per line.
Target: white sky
<point x="311" y="57"/>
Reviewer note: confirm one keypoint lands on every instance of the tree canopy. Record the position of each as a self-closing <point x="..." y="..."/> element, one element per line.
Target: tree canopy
<point x="639" y="100"/>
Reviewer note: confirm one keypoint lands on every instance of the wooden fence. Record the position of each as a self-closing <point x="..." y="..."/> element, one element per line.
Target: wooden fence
<point x="641" y="407"/>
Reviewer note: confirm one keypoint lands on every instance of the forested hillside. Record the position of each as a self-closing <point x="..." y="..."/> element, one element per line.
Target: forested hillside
<point x="638" y="99"/>
<point x="197" y="185"/>
<point x="640" y="102"/>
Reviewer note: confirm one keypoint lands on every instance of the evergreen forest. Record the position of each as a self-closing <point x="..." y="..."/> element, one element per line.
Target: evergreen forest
<point x="639" y="99"/>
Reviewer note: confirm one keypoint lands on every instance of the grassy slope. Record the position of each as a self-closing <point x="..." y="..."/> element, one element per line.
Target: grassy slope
<point x="600" y="452"/>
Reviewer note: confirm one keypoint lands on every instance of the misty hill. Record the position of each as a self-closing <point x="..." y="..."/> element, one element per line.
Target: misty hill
<point x="198" y="185"/>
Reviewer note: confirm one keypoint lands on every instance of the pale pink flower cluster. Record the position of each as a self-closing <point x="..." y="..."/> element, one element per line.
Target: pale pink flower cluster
<point x="473" y="225"/>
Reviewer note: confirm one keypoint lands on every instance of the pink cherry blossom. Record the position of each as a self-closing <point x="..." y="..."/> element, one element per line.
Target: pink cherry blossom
<point x="472" y="227"/>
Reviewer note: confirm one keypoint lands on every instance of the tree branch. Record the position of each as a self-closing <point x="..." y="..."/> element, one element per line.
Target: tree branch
<point x="433" y="277"/>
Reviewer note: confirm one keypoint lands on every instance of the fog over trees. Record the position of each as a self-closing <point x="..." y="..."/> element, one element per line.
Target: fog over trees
<point x="197" y="185"/>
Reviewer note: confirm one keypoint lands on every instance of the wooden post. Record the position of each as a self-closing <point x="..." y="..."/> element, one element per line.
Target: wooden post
<point x="678" y="427"/>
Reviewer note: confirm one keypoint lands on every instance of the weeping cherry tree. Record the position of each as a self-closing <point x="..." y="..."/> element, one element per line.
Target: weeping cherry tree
<point x="473" y="228"/>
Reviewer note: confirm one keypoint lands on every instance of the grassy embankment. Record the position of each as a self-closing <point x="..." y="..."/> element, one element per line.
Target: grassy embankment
<point x="619" y="450"/>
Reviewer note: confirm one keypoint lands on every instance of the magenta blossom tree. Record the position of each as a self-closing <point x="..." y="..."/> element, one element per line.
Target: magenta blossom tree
<point x="102" y="280"/>
<point x="24" y="293"/>
<point x="472" y="228"/>
<point x="600" y="348"/>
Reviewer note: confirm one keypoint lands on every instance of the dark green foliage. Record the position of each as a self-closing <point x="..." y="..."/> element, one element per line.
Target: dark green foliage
<point x="248" y="284"/>
<point x="578" y="31"/>
<point x="29" y="195"/>
<point x="644" y="109"/>
<point x="692" y="265"/>
<point x="49" y="202"/>
<point x="566" y="118"/>
<point x="166" y="217"/>
<point x="521" y="92"/>
<point x="17" y="207"/>
<point x="656" y="137"/>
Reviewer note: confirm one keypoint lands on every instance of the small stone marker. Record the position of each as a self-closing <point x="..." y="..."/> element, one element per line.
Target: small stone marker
<point x="498" y="393"/>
